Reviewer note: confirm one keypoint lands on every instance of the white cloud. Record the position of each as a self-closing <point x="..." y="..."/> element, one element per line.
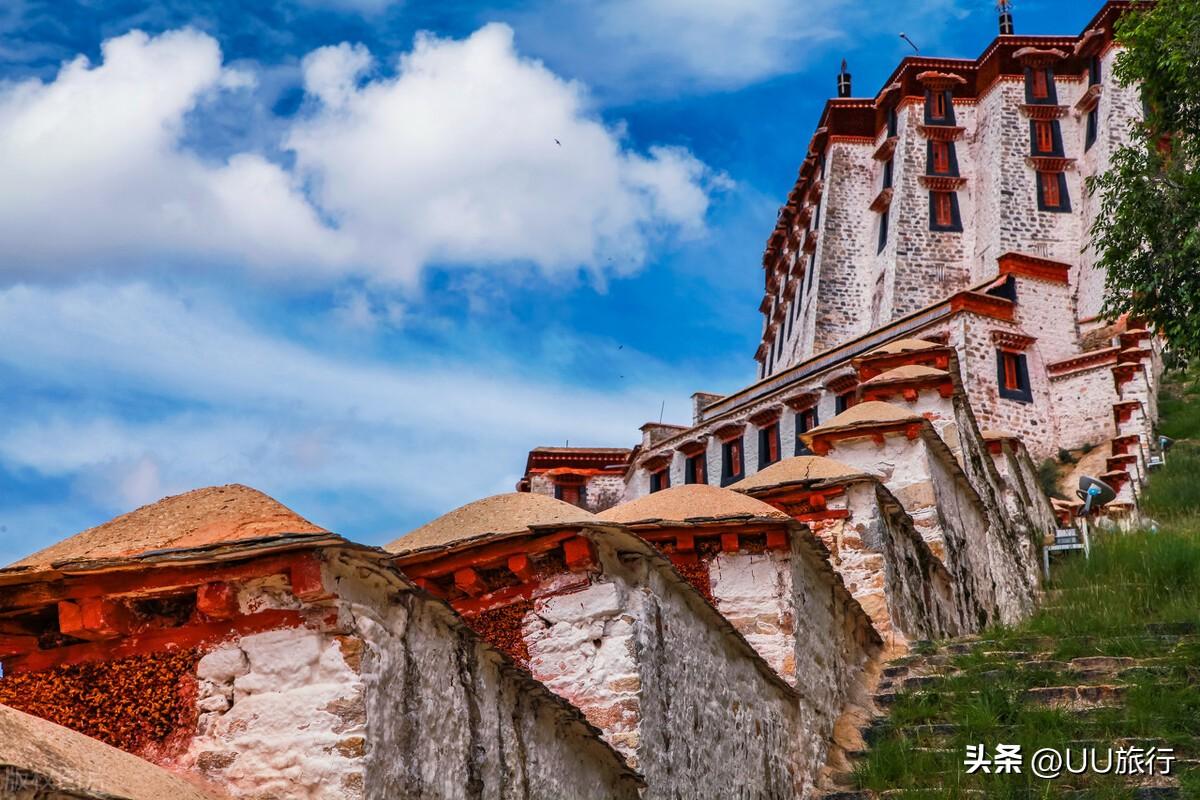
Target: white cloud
<point x="246" y="405"/>
<point x="471" y="154"/>
<point x="452" y="159"/>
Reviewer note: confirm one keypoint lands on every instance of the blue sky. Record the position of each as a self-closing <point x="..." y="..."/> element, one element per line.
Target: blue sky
<point x="331" y="248"/>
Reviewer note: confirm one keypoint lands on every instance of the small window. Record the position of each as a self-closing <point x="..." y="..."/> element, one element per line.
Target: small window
<point x="733" y="464"/>
<point x="1040" y="85"/>
<point x="1013" y="376"/>
<point x="1044" y="136"/>
<point x="1052" y="192"/>
<point x="660" y="480"/>
<point x="768" y="445"/>
<point x="805" y="421"/>
<point x="888" y="174"/>
<point x="1094" y="71"/>
<point x="893" y="122"/>
<point x="844" y="401"/>
<point x="883" y="232"/>
<point x="941" y="157"/>
<point x="943" y="212"/>
<point x="937" y="105"/>
<point x="576" y="495"/>
<point x="1093" y="128"/>
<point x="696" y="469"/>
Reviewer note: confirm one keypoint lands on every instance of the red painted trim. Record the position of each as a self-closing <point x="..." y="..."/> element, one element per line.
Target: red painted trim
<point x="579" y="554"/>
<point x="520" y="565"/>
<point x="188" y="636"/>
<point x="217" y="600"/>
<point x="468" y="581"/>
<point x="307" y="582"/>
<point x="485" y="556"/>
<point x="985" y="305"/>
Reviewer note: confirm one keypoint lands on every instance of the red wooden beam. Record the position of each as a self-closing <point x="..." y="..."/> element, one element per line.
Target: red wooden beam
<point x="486" y="556"/>
<point x="578" y="554"/>
<point x="468" y="580"/>
<point x="217" y="600"/>
<point x="521" y="566"/>
<point x="730" y="543"/>
<point x="307" y="582"/>
<point x="159" y="639"/>
<point x="94" y="619"/>
<point x="17" y="645"/>
<point x="777" y="540"/>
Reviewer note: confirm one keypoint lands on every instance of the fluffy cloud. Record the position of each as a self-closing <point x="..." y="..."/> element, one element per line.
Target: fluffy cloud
<point x="182" y="393"/>
<point x="451" y="159"/>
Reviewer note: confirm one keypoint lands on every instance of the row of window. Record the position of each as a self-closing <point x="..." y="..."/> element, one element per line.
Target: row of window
<point x="1012" y="379"/>
<point x="733" y="464"/>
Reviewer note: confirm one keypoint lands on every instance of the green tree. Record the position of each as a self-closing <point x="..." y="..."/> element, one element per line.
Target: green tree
<point x="1147" y="232"/>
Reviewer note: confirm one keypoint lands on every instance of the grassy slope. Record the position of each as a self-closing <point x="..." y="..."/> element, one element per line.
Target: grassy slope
<point x="1133" y="598"/>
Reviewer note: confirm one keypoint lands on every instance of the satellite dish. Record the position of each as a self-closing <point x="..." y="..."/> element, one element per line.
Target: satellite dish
<point x="1165" y="442"/>
<point x="1094" y="493"/>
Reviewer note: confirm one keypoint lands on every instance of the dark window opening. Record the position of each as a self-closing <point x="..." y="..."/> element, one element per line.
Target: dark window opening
<point x="1039" y="86"/>
<point x="1044" y="136"/>
<point x="768" y="445"/>
<point x="696" y="470"/>
<point x="844" y="401"/>
<point x="1052" y="192"/>
<point x="939" y="157"/>
<point x="1012" y="375"/>
<point x="937" y="106"/>
<point x="888" y="177"/>
<point x="575" y="495"/>
<point x="943" y="212"/>
<point x="1093" y="128"/>
<point x="812" y="267"/>
<point x="883" y="232"/>
<point x="1094" y="71"/>
<point x="732" y="461"/>
<point x="893" y="122"/>
<point x="805" y="421"/>
<point x="660" y="480"/>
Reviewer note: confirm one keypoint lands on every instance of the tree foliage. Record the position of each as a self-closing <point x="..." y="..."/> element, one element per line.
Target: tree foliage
<point x="1147" y="231"/>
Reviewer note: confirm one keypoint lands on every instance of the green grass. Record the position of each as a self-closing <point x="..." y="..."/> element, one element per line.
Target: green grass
<point x="1138" y="595"/>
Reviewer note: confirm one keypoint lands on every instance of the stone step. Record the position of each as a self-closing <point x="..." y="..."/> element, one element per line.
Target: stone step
<point x="1080" y="696"/>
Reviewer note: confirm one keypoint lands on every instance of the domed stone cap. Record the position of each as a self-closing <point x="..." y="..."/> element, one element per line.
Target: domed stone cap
<point x="908" y="372"/>
<point x="496" y="516"/>
<point x="903" y="346"/>
<point x="800" y="469"/>
<point x="211" y="516"/>
<point x="697" y="502"/>
<point x="57" y="758"/>
<point x="863" y="415"/>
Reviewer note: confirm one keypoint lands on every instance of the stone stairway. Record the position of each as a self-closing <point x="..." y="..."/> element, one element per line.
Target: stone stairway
<point x="1062" y="693"/>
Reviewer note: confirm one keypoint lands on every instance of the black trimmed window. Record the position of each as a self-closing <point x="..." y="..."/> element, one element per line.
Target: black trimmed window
<point x="888" y="174"/>
<point x="806" y="420"/>
<point x="768" y="445"/>
<point x="733" y="461"/>
<point x="1012" y="376"/>
<point x="695" y="469"/>
<point x="843" y="401"/>
<point x="660" y="480"/>
<point x="941" y="158"/>
<point x="939" y="107"/>
<point x="893" y="122"/>
<point x="1052" y="192"/>
<point x="1045" y="137"/>
<point x="575" y="494"/>
<point x="1093" y="127"/>
<point x="1039" y="86"/>
<point x="943" y="212"/>
<point x="883" y="231"/>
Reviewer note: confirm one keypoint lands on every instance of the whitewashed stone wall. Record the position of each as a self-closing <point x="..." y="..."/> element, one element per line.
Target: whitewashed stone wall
<point x="638" y="651"/>
<point x="399" y="699"/>
<point x="1082" y="403"/>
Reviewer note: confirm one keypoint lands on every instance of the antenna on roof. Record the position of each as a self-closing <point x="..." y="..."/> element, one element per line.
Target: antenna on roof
<point x="1004" y="7"/>
<point x="662" y="409"/>
<point x="904" y="36"/>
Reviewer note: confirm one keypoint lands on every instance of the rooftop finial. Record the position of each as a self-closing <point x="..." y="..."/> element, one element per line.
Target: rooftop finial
<point x="1004" y="7"/>
<point x="843" y="82"/>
